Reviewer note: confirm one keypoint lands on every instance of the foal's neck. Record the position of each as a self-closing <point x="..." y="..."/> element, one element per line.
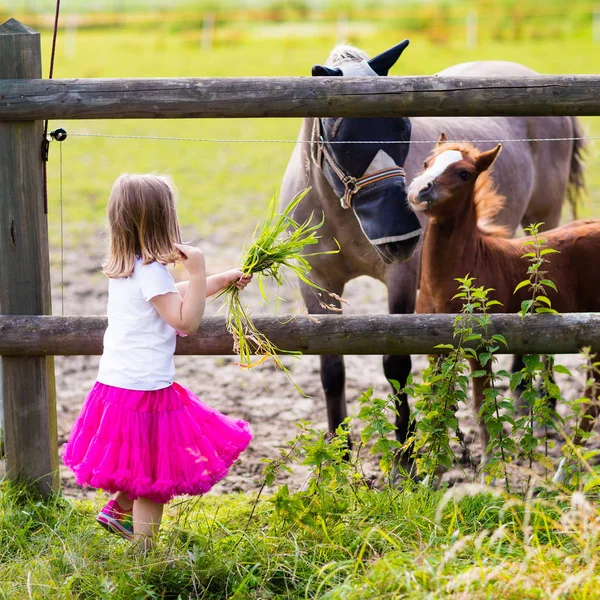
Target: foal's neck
<point x="450" y="250"/>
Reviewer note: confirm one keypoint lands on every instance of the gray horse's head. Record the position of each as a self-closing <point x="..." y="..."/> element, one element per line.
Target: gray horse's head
<point x="368" y="177"/>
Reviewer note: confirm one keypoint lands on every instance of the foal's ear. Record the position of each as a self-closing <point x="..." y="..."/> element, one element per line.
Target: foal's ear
<point x="442" y="139"/>
<point x="485" y="160"/>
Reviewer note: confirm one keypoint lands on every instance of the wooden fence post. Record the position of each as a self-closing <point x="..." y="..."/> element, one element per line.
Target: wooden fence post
<point x="28" y="391"/>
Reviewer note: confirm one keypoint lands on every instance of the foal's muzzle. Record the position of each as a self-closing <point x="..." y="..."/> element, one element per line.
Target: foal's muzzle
<point x="422" y="199"/>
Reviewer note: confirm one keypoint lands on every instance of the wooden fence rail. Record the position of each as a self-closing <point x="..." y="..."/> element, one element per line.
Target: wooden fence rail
<point x="543" y="95"/>
<point x="333" y="334"/>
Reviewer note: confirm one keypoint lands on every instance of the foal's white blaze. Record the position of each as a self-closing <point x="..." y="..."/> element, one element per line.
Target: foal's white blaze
<point x="382" y="160"/>
<point x="440" y="164"/>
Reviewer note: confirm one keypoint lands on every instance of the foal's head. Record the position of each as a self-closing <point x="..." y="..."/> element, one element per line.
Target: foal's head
<point x="456" y="178"/>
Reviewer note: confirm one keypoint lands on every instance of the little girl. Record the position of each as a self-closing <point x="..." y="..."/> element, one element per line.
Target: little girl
<point x="140" y="435"/>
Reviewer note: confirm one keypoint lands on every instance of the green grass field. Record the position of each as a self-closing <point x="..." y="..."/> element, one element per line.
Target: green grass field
<point x="226" y="186"/>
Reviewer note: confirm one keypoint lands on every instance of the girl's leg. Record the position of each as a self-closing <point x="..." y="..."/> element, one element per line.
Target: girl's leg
<point x="124" y="501"/>
<point x="146" y="522"/>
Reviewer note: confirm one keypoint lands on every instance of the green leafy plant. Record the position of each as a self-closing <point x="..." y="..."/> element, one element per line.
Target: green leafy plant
<point x="378" y="429"/>
<point x="444" y="385"/>
<point x="538" y="368"/>
<point x="536" y="281"/>
<point x="496" y="411"/>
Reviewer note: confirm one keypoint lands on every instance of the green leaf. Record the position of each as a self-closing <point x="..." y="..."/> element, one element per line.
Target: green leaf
<point x="549" y="283"/>
<point x="521" y="285"/>
<point x="562" y="369"/>
<point x="484" y="358"/>
<point x="543" y="309"/>
<point x="590" y="485"/>
<point x="590" y="454"/>
<point x="544" y="299"/>
<point x="500" y="338"/>
<point x="493" y="303"/>
<point x="549" y="251"/>
<point x="532" y="361"/>
<point x="472" y="336"/>
<point x="516" y="380"/>
<point x="526" y="305"/>
<point x="479" y="373"/>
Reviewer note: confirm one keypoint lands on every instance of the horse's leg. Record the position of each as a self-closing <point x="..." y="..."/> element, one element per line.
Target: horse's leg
<point x="401" y="281"/>
<point x="333" y="379"/>
<point x="333" y="376"/>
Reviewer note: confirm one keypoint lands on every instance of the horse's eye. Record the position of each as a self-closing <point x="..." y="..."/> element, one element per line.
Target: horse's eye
<point x="425" y="165"/>
<point x="464" y="175"/>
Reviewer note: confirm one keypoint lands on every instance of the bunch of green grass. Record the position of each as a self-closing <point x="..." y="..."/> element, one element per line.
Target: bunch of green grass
<point x="279" y="242"/>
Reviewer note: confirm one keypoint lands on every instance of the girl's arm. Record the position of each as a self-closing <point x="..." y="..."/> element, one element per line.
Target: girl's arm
<point x="185" y="313"/>
<point x="216" y="283"/>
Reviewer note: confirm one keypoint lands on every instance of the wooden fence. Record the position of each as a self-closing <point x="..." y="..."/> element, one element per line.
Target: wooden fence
<point x="29" y="340"/>
<point x="172" y="98"/>
<point x="30" y="336"/>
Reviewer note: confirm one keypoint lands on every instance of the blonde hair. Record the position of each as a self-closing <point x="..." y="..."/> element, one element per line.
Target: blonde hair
<point x="142" y="223"/>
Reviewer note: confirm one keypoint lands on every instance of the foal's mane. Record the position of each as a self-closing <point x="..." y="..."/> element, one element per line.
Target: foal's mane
<point x="488" y="202"/>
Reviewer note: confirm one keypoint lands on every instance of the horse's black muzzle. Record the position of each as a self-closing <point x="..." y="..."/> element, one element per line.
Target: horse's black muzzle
<point x="391" y="252"/>
<point x="386" y="219"/>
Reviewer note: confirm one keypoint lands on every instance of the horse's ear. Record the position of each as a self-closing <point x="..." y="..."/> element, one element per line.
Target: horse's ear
<point x="383" y="62"/>
<point x="442" y="139"/>
<point x="486" y="159"/>
<point x="321" y="71"/>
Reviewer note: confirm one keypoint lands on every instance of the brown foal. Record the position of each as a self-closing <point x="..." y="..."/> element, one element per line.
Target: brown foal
<point x="457" y="194"/>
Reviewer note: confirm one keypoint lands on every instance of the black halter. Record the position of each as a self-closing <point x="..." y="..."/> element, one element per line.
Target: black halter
<point x="319" y="149"/>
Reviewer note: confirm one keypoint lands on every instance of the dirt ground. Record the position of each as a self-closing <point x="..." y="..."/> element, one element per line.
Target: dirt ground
<point x="262" y="396"/>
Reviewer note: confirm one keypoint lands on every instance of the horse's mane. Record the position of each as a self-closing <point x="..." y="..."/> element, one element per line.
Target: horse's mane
<point x="488" y="202"/>
<point x="345" y="53"/>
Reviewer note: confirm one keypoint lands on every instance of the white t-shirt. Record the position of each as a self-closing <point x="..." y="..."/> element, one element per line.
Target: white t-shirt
<point x="138" y="344"/>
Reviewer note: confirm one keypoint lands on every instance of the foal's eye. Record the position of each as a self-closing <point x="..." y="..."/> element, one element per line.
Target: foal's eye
<point x="464" y="175"/>
<point x="425" y="165"/>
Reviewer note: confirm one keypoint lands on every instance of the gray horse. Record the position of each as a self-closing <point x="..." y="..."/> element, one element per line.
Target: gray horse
<point x="361" y="190"/>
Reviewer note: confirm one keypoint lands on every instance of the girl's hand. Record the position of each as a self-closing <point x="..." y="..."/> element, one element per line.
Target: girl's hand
<point x="241" y="280"/>
<point x="193" y="259"/>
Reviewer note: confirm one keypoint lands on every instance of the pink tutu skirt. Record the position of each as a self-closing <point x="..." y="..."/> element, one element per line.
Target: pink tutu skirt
<point x="152" y="444"/>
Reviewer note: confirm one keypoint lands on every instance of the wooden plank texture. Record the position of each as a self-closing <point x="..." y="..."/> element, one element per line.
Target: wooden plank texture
<point x="333" y="334"/>
<point x="27" y="383"/>
<point x="541" y="95"/>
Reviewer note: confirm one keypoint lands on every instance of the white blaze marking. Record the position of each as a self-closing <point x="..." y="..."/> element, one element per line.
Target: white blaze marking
<point x="440" y="164"/>
<point x="382" y="160"/>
